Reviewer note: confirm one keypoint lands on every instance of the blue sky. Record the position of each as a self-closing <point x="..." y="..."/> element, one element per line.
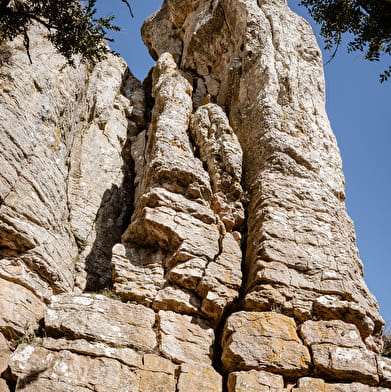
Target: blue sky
<point x="360" y="114"/>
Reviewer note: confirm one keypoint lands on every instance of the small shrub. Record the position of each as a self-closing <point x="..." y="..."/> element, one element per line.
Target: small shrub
<point x="387" y="345"/>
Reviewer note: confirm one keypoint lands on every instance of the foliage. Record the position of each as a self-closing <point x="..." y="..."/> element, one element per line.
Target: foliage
<point x="72" y="26"/>
<point x="387" y="345"/>
<point x="369" y="21"/>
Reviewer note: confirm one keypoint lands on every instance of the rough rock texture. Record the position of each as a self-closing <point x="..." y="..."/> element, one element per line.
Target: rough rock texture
<point x="81" y="369"/>
<point x="255" y="381"/>
<point x="185" y="234"/>
<point x="63" y="171"/>
<point x="301" y="255"/>
<point x="99" y="318"/>
<point x="267" y="341"/>
<point x="185" y="206"/>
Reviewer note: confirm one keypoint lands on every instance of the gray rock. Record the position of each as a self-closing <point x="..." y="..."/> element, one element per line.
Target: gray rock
<point x="98" y="318"/>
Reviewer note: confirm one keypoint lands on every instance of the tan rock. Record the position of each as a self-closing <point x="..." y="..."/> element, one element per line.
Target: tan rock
<point x="195" y="378"/>
<point x="177" y="300"/>
<point x="221" y="152"/>
<point x="63" y="174"/>
<point x="15" y="270"/>
<point x="185" y="338"/>
<point x="138" y="273"/>
<point x="384" y="365"/>
<point x="334" y="332"/>
<point x="263" y="341"/>
<point x="20" y="310"/>
<point x="125" y="355"/>
<point x="34" y="143"/>
<point x="308" y="384"/>
<point x="155" y="381"/>
<point x="345" y="363"/>
<point x="100" y="168"/>
<point x="154" y="363"/>
<point x="96" y="317"/>
<point x="261" y="62"/>
<point x="3" y="386"/>
<point x="5" y="353"/>
<point x="38" y="369"/>
<point x="222" y="279"/>
<point x="255" y="381"/>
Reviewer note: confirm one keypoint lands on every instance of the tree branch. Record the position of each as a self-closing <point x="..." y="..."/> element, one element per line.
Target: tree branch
<point x="26" y="43"/>
<point x="130" y="8"/>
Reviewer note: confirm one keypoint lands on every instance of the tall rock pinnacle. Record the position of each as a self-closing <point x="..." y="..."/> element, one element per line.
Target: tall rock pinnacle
<point x="206" y="208"/>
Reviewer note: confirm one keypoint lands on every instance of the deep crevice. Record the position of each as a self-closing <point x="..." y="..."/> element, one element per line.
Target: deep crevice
<point x="117" y="202"/>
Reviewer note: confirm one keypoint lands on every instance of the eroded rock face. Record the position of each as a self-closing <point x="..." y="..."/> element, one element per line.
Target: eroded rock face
<point x="62" y="197"/>
<point x="216" y="221"/>
<point x="264" y="341"/>
<point x="186" y="207"/>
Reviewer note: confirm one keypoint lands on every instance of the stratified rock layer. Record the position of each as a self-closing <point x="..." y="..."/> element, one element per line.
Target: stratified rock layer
<point x="207" y="210"/>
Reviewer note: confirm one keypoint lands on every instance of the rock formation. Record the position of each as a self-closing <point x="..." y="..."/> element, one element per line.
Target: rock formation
<point x="187" y="233"/>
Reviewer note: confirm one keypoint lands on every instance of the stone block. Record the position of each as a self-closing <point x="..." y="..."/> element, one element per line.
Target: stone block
<point x="98" y="318"/>
<point x="185" y="338"/>
<point x="263" y="341"/>
<point x="196" y="378"/>
<point x="255" y="381"/>
<point x="345" y="363"/>
<point x="20" y="310"/>
<point x="334" y="332"/>
<point x="384" y="366"/>
<point x="151" y="381"/>
<point x="38" y="369"/>
<point x="125" y="355"/>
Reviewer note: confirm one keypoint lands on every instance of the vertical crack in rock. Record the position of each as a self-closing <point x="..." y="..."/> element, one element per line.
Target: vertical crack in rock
<point x="181" y="252"/>
<point x="101" y="192"/>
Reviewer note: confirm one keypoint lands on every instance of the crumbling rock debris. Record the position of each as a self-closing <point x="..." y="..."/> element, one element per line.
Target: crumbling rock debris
<point x="187" y="236"/>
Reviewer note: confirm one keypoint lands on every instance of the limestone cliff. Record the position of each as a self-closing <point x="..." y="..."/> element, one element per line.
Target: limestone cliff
<point x="189" y="233"/>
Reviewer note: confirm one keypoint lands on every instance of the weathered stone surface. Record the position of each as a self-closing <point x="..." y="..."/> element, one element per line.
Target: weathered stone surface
<point x="177" y="300"/>
<point x="238" y="119"/>
<point x="138" y="273"/>
<point x="88" y="366"/>
<point x="263" y="341"/>
<point x="125" y="355"/>
<point x="334" y="332"/>
<point x="194" y="378"/>
<point x="63" y="174"/>
<point x="255" y="381"/>
<point x="300" y="243"/>
<point x="185" y="338"/>
<point x="345" y="363"/>
<point x="154" y="363"/>
<point x="155" y="381"/>
<point x="308" y="384"/>
<point x="96" y="317"/>
<point x="339" y="352"/>
<point x="184" y="205"/>
<point x="5" y="352"/>
<point x="34" y="144"/>
<point x="3" y="386"/>
<point x="38" y="369"/>
<point x="98" y="190"/>
<point x="221" y="152"/>
<point x="222" y="278"/>
<point x="20" y="310"/>
<point x="384" y="365"/>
